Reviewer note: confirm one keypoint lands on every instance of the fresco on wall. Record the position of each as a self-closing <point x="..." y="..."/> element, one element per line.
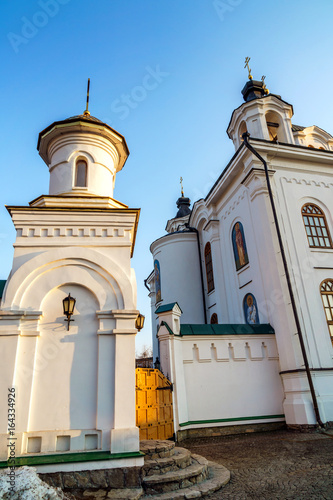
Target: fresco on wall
<point x="239" y="246"/>
<point x="251" y="309"/>
<point x="157" y="281"/>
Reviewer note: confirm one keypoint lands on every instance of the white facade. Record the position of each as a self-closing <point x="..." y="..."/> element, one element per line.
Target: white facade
<point x="299" y="161"/>
<point x="74" y="389"/>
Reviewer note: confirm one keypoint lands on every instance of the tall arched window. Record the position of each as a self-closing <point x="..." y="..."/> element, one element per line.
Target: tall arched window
<point x="326" y="290"/>
<point x="209" y="267"/>
<point x="275" y="127"/>
<point x="157" y="270"/>
<point x="316" y="227"/>
<point x="81" y="173"/>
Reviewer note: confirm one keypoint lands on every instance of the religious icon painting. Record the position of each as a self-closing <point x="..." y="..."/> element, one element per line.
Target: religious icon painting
<point x="251" y="309"/>
<point x="239" y="246"/>
<point x="157" y="281"/>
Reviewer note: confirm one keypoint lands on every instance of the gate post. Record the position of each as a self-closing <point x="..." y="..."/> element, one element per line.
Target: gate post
<point x="171" y="358"/>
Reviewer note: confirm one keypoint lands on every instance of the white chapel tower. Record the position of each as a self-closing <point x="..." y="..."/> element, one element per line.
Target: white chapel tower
<point x="74" y="380"/>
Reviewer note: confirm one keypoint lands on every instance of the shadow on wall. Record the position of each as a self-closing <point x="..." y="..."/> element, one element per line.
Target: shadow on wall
<point x="64" y="394"/>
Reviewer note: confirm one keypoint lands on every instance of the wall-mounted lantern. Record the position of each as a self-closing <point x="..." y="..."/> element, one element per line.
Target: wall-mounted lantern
<point x="139" y="322"/>
<point x="68" y="305"/>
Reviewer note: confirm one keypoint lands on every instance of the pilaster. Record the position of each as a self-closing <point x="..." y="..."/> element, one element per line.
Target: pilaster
<point x="27" y="365"/>
<point x="120" y="324"/>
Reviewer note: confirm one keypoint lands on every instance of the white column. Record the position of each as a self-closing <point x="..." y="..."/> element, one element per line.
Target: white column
<point x="105" y="376"/>
<point x="26" y="366"/>
<point x="125" y="434"/>
<point x="172" y="362"/>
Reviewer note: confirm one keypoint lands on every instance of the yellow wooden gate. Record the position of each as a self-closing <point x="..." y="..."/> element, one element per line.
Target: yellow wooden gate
<point x="154" y="412"/>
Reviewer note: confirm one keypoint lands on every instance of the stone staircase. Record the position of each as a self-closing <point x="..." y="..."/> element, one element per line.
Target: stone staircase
<point x="174" y="473"/>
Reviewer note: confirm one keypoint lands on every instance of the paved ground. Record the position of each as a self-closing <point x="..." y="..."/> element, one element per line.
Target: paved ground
<point x="272" y="465"/>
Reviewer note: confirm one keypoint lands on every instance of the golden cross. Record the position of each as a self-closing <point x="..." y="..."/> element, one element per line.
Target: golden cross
<point x="86" y="110"/>
<point x="181" y="183"/>
<point x="247" y="60"/>
<point x="264" y="84"/>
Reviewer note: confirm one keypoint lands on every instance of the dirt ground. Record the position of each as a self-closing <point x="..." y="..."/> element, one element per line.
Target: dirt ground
<point x="272" y="465"/>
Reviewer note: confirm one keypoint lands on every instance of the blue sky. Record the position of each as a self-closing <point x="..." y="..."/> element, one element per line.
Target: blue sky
<point x="166" y="74"/>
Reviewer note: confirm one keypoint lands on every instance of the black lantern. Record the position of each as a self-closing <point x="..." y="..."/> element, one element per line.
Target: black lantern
<point x="68" y="305"/>
<point x="140" y="321"/>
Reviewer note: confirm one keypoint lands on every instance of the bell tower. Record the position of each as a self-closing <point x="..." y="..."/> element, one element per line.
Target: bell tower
<point x="263" y="115"/>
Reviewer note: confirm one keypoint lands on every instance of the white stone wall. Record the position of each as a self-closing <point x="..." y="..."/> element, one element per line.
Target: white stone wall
<point x="222" y="380"/>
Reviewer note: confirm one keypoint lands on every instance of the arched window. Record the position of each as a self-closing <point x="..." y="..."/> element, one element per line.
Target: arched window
<point x="214" y="319"/>
<point x="316" y="227"/>
<point x="81" y="173"/>
<point x="209" y="267"/>
<point x="157" y="281"/>
<point x="275" y="127"/>
<point x="326" y="290"/>
<point x="242" y="130"/>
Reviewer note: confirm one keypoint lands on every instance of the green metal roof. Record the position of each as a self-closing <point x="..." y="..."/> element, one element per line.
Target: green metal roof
<point x="228" y="329"/>
<point x="166" y="308"/>
<point x="2" y="286"/>
<point x="167" y="327"/>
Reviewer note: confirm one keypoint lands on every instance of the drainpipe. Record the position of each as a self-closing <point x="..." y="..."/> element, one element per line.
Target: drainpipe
<point x="286" y="270"/>
<point x="201" y="275"/>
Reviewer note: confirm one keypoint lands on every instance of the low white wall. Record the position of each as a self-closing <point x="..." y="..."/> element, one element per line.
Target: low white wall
<point x="223" y="380"/>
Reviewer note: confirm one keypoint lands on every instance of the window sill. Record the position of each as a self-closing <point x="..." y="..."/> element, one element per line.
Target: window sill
<point x="242" y="269"/>
<point x="321" y="249"/>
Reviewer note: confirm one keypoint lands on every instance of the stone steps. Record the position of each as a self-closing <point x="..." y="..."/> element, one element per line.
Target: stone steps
<point x="175" y="473"/>
<point x="157" y="449"/>
<point x="180" y="459"/>
<point x="174" y="480"/>
<point x="218" y="477"/>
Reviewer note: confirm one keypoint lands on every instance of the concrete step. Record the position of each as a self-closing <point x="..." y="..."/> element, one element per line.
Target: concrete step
<point x="218" y="476"/>
<point x="175" y="480"/>
<point x="179" y="460"/>
<point x="157" y="449"/>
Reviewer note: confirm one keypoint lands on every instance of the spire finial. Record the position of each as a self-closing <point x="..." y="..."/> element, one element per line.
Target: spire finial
<point x="247" y="60"/>
<point x="181" y="183"/>
<point x="264" y="84"/>
<point x="86" y="112"/>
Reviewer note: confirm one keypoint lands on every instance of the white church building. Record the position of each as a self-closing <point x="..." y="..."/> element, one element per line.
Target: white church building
<point x="69" y="374"/>
<point x="242" y="287"/>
